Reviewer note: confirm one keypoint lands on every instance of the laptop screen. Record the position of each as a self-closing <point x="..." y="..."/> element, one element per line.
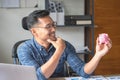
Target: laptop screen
<point x="17" y="72"/>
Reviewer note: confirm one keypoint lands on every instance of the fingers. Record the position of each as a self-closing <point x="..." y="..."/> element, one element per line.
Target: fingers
<point x="50" y="41"/>
<point x="109" y="44"/>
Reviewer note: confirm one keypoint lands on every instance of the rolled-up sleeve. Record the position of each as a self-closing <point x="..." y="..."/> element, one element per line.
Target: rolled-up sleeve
<point x="75" y="62"/>
<point x="40" y="75"/>
<point x="83" y="74"/>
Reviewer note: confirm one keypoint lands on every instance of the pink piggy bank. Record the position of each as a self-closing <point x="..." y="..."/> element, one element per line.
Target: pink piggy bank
<point x="103" y="38"/>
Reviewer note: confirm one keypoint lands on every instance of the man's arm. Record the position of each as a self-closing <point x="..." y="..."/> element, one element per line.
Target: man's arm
<point x="49" y="67"/>
<point x="101" y="50"/>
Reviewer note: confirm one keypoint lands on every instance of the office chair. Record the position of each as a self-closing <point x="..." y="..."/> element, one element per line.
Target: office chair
<point x="15" y="46"/>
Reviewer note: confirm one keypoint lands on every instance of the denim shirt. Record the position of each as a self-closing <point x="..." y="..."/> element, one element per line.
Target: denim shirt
<point x="33" y="54"/>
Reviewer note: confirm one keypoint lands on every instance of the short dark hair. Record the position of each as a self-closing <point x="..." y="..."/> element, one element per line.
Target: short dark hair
<point x="33" y="17"/>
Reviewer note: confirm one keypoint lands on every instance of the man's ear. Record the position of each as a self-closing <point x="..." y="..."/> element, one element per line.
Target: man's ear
<point x="33" y="31"/>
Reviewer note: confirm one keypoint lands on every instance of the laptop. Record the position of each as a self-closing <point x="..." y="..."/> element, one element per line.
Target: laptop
<point x="17" y="72"/>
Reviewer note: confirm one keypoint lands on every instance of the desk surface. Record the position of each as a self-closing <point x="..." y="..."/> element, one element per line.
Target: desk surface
<point x="97" y="77"/>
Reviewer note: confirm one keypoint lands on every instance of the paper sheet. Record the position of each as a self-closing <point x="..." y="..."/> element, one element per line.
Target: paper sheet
<point x="99" y="77"/>
<point x="113" y="78"/>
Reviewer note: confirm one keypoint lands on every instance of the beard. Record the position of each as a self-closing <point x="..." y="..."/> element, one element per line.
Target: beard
<point x="52" y="36"/>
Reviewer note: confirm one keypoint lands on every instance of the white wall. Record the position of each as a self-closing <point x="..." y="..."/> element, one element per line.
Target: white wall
<point x="11" y="31"/>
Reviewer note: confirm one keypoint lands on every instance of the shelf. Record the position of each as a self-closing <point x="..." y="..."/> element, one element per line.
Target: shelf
<point x="77" y="20"/>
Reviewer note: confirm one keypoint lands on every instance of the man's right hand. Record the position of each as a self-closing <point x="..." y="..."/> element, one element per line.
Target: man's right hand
<point x="59" y="44"/>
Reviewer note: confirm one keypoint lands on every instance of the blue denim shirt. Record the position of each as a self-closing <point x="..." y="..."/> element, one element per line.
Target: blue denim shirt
<point x="33" y="54"/>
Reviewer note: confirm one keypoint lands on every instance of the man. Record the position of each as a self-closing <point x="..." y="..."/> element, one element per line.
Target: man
<point x="48" y="53"/>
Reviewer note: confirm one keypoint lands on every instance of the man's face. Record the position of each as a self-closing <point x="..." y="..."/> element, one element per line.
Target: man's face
<point x="45" y="29"/>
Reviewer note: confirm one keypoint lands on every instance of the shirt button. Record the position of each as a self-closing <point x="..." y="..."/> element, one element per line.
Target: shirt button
<point x="40" y="49"/>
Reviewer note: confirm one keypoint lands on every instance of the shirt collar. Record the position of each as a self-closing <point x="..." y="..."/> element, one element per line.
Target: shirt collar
<point x="37" y="45"/>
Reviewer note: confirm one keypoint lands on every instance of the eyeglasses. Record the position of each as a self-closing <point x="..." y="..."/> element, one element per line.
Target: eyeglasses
<point x="49" y="26"/>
